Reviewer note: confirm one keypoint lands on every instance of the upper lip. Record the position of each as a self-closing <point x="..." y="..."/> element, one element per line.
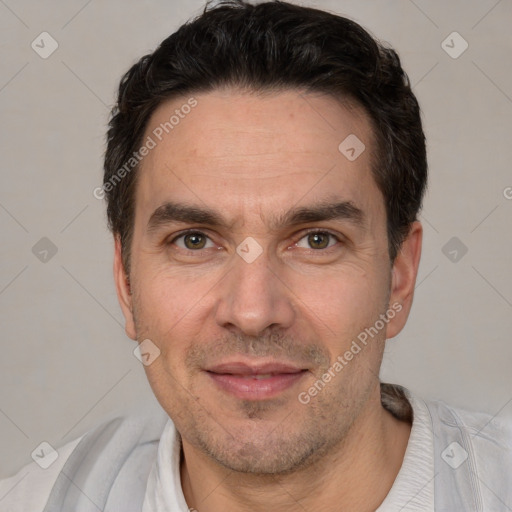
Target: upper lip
<point x="243" y="368"/>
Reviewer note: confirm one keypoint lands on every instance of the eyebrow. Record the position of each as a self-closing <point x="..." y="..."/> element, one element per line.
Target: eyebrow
<point x="172" y="212"/>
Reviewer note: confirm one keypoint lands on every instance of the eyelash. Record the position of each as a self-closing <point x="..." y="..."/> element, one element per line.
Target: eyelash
<point x="306" y="233"/>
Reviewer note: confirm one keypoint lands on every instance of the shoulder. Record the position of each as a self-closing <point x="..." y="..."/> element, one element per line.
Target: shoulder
<point x="484" y="430"/>
<point x="473" y="457"/>
<point x="94" y="460"/>
<point x="30" y="487"/>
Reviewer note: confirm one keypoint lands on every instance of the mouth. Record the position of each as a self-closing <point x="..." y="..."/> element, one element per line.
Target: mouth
<point x="257" y="381"/>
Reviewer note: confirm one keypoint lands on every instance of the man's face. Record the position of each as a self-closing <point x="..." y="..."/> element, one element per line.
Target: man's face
<point x="249" y="286"/>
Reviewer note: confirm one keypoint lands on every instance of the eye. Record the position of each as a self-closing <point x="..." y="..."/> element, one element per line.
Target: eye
<point x="317" y="240"/>
<point x="193" y="241"/>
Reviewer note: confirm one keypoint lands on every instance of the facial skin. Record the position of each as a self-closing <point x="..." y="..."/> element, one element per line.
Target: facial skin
<point x="251" y="159"/>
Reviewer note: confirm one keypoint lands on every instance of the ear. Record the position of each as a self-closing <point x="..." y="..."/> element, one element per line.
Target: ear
<point x="124" y="294"/>
<point x="403" y="280"/>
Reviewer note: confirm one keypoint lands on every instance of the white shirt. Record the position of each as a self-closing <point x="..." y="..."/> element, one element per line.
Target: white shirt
<point x="412" y="491"/>
<point x="413" y="488"/>
<point x="455" y="461"/>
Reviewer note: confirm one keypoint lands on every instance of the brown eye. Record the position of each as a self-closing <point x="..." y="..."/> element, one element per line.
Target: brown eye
<point x="317" y="240"/>
<point x="193" y="241"/>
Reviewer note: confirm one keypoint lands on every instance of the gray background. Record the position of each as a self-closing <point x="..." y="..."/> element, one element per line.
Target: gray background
<point x="66" y="363"/>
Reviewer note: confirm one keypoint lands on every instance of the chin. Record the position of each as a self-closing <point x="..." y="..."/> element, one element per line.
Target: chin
<point x="263" y="453"/>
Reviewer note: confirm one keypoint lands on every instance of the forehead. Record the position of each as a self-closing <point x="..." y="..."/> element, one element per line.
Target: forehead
<point x="244" y="151"/>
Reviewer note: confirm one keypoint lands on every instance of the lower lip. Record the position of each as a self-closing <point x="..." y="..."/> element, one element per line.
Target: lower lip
<point x="256" y="389"/>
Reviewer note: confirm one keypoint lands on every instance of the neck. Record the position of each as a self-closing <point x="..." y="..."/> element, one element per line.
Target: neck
<point x="369" y="457"/>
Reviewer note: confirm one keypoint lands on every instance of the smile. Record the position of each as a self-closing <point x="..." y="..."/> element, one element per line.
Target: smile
<point x="258" y="382"/>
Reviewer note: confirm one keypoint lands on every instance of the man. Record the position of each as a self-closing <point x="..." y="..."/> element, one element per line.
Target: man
<point x="264" y="171"/>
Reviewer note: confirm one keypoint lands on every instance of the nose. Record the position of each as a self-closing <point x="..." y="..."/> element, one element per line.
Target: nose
<point x="254" y="297"/>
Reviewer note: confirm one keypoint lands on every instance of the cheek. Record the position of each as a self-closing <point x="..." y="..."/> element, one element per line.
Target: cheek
<point x="167" y="300"/>
<point x="344" y="301"/>
<point x="167" y="314"/>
